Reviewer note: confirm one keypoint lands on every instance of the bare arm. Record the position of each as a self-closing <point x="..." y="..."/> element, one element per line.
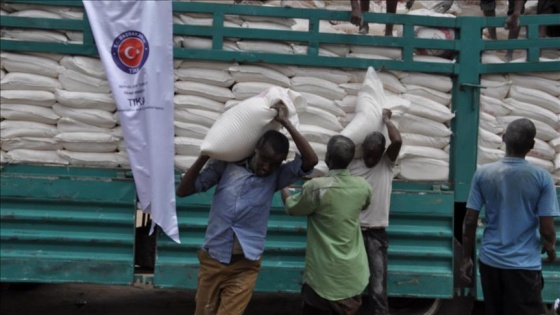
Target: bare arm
<point x="187" y="185"/>
<point x="548" y="237"/>
<point x="394" y="136"/>
<point x="512" y="21"/>
<point x="308" y="156"/>
<point x="469" y="235"/>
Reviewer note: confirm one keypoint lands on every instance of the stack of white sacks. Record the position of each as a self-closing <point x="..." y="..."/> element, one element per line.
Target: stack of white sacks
<point x="59" y="110"/>
<point x="506" y="98"/>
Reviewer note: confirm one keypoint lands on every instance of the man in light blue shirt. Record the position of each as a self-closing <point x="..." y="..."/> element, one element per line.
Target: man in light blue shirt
<point x="231" y="254"/>
<point x="520" y="201"/>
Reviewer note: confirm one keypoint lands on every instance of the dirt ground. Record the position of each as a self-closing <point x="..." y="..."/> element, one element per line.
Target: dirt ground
<point x="139" y="299"/>
<point x="142" y="299"/>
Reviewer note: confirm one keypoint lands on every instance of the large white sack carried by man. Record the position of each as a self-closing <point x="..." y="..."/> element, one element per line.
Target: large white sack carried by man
<point x="369" y="109"/>
<point x="234" y="135"/>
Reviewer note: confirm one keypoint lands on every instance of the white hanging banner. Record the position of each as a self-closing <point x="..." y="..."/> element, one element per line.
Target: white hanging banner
<point x="135" y="42"/>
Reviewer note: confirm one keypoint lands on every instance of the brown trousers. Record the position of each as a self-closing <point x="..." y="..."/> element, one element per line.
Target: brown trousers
<point x="225" y="289"/>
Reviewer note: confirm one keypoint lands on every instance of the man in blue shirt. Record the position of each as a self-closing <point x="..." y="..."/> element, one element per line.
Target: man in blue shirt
<point x="231" y="254"/>
<point x="520" y="201"/>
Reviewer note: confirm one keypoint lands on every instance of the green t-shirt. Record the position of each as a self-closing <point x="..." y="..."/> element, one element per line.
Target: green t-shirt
<point x="336" y="265"/>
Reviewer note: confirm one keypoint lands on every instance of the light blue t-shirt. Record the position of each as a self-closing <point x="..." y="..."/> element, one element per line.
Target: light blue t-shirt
<point x="515" y="194"/>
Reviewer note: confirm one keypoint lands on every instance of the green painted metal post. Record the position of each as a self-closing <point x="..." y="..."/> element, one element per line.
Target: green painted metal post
<point x="465" y="105"/>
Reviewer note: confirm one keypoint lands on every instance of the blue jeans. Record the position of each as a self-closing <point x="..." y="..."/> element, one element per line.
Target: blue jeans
<point x="376" y="242"/>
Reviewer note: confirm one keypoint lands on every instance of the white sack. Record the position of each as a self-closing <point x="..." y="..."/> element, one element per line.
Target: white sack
<point x="348" y="103"/>
<point x="488" y="155"/>
<point x="207" y="76"/>
<point x="423" y="169"/>
<point x="75" y="81"/>
<point x="27" y="97"/>
<point x="369" y="109"/>
<point x="15" y="62"/>
<point x="189" y="130"/>
<point x="35" y="157"/>
<point x="427" y="108"/>
<point x="28" y="113"/>
<point x="391" y="82"/>
<point x="88" y="142"/>
<point x="28" y="81"/>
<point x="196" y="116"/>
<point x="322" y="103"/>
<point x="432" y="81"/>
<point x="490" y="123"/>
<point x="319" y="87"/>
<point x="551" y="87"/>
<point x="187" y="146"/>
<point x="198" y="102"/>
<point x="397" y="104"/>
<point x="30" y="143"/>
<point x="434" y="95"/>
<point x="536" y="97"/>
<point x="412" y="151"/>
<point x="16" y="129"/>
<point x="317" y="117"/>
<point x="183" y="163"/>
<point x="249" y="73"/>
<point x="555" y="143"/>
<point x="494" y="106"/>
<point x="412" y="139"/>
<point x="202" y="64"/>
<point x="316" y="133"/>
<point x="102" y="160"/>
<point x="488" y="139"/>
<point x="351" y="88"/>
<point x="495" y="89"/>
<point x="245" y="90"/>
<point x="235" y="134"/>
<point x="533" y="112"/>
<point x="330" y="74"/>
<point x="67" y="124"/>
<point x="419" y="125"/>
<point x="216" y="93"/>
<point x="35" y="35"/>
<point x="86" y="100"/>
<point x="95" y="117"/>
<point x="87" y="65"/>
<point x="265" y="47"/>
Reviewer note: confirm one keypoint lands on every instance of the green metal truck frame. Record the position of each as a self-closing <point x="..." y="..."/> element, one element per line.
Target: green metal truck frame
<point x="70" y="224"/>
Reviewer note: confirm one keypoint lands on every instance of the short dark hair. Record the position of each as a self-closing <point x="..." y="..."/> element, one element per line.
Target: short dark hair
<point x="374" y="139"/>
<point x="276" y="140"/>
<point x="340" y="151"/>
<point x="520" y="135"/>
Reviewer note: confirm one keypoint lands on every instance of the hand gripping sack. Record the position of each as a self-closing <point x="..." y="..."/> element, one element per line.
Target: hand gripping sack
<point x="234" y="135"/>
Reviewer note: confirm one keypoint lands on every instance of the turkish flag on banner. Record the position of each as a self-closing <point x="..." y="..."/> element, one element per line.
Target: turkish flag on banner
<point x="134" y="40"/>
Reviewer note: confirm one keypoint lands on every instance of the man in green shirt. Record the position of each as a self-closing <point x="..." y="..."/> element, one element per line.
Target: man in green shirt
<point x="336" y="266"/>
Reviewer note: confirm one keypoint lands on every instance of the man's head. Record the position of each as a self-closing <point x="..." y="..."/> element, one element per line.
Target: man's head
<point x="271" y="150"/>
<point x="340" y="152"/>
<point x="373" y="148"/>
<point x="519" y="137"/>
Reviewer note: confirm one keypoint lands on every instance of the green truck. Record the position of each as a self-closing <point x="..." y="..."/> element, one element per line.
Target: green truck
<point x="76" y="224"/>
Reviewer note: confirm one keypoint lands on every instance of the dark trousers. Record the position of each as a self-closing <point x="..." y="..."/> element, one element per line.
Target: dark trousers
<point x="376" y="242"/>
<point x="511" y="291"/>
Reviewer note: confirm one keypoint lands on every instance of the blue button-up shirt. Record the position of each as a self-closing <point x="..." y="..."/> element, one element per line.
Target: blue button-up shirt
<point x="241" y="205"/>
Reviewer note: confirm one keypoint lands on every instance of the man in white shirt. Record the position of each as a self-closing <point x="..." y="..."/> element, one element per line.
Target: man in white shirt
<point x="376" y="167"/>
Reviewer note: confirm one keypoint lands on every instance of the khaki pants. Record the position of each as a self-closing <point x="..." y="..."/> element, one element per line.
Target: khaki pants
<point x="225" y="289"/>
